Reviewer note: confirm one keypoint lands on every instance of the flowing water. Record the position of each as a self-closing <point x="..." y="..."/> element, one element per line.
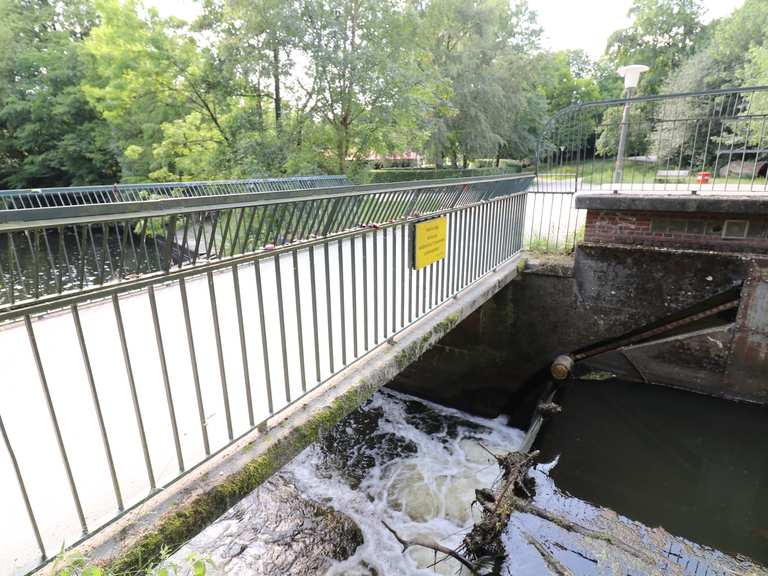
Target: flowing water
<point x="415" y="466"/>
<point x="399" y="460"/>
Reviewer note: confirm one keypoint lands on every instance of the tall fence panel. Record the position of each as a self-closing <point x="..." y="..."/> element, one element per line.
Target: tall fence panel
<point x="115" y="389"/>
<point x="712" y="142"/>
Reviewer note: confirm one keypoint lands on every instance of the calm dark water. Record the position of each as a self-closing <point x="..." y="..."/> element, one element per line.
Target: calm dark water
<point x="695" y="465"/>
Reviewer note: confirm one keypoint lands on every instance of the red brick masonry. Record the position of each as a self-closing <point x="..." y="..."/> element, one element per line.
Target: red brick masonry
<point x="730" y="232"/>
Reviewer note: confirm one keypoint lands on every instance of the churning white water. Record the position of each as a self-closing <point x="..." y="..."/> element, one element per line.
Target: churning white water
<point x="413" y="464"/>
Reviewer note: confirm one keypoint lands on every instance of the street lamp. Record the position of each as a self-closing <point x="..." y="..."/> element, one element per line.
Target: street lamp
<point x="631" y="76"/>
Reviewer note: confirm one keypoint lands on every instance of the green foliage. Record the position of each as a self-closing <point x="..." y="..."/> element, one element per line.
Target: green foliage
<point x="50" y="133"/>
<point x="662" y="35"/>
<point x="483" y="53"/>
<point x="729" y="53"/>
<point x="78" y="565"/>
<point x="98" y="91"/>
<point x="638" y="131"/>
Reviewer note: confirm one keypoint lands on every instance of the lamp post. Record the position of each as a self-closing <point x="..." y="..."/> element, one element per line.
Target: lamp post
<point x="631" y="76"/>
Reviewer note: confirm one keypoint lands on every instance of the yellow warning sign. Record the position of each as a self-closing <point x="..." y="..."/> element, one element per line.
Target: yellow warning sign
<point x="429" y="242"/>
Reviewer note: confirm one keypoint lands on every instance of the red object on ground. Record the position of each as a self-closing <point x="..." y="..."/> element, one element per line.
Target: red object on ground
<point x="703" y="177"/>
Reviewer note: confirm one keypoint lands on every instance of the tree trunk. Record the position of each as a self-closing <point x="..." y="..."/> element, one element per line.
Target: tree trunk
<point x="341" y="149"/>
<point x="259" y="107"/>
<point x="276" y="80"/>
<point x="464" y="162"/>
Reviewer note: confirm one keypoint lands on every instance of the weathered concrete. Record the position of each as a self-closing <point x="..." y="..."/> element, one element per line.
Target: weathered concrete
<point x="175" y="514"/>
<point x="273" y="530"/>
<point x="627" y="287"/>
<point x="561" y="304"/>
<point x="747" y="374"/>
<point x="693" y="361"/>
<point x="723" y="204"/>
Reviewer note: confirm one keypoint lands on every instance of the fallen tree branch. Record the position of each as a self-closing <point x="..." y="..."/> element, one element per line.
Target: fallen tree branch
<point x="407" y="543"/>
<point x="565" y="524"/>
<point x="548" y="557"/>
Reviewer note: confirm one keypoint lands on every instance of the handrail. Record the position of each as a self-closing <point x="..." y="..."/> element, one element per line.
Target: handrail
<point x="25" y="218"/>
<point x="46" y="253"/>
<point x="14" y="199"/>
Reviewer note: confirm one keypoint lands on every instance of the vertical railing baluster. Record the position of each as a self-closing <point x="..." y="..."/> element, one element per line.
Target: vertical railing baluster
<point x="54" y="421"/>
<point x="313" y="288"/>
<point x="264" y="345"/>
<point x="342" y="307"/>
<point x="243" y="347"/>
<point x="166" y="380"/>
<point x="220" y="353"/>
<point x="97" y="405"/>
<point x="134" y="393"/>
<point x="299" y="321"/>
<point x="193" y="364"/>
<point x="281" y="320"/>
<point x="328" y="314"/>
<point x="23" y="490"/>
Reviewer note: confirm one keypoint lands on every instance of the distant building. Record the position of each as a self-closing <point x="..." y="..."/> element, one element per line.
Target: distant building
<point x="404" y="160"/>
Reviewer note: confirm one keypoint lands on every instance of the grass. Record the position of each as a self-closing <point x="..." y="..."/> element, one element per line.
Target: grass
<point x="600" y="171"/>
<point x="541" y="244"/>
<point x="76" y="565"/>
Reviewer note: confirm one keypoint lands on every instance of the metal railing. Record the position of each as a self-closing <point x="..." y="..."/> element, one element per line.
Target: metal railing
<point x="18" y="199"/>
<point x="697" y="142"/>
<point x="118" y="386"/>
<point x="49" y="251"/>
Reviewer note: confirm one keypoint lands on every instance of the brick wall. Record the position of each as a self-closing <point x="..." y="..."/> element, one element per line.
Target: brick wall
<point x="720" y="232"/>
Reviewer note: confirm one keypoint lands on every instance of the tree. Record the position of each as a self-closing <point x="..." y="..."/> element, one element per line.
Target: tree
<point x="51" y="135"/>
<point x="662" y="35"/>
<point x="732" y="53"/>
<point x="568" y="78"/>
<point x="363" y="75"/>
<point x="484" y="53"/>
<point x="147" y="72"/>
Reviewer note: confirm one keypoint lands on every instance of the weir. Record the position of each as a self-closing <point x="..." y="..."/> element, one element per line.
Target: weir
<point x="169" y="354"/>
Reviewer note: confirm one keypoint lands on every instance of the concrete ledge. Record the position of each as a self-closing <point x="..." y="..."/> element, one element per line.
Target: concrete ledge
<point x="718" y="204"/>
<point x="165" y="521"/>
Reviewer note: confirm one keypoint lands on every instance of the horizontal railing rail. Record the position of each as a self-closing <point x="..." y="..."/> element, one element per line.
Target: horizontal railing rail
<point x="47" y="252"/>
<point x="19" y="199"/>
<point x="118" y="389"/>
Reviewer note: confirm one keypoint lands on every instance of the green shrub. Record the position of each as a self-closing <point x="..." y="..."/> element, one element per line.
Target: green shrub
<point x="386" y="175"/>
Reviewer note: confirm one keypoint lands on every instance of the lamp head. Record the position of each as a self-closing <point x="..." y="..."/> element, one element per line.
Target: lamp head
<point x="631" y="74"/>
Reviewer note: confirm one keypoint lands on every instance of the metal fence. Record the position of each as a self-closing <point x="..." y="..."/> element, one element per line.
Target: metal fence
<point x="118" y="385"/>
<point x="700" y="143"/>
<point x="76" y="195"/>
<point x="49" y="251"/>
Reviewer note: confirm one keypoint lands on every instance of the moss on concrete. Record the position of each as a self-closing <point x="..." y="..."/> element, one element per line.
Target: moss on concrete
<point x="414" y="350"/>
<point x="179" y="526"/>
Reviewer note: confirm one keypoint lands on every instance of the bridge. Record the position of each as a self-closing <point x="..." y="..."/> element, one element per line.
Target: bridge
<point x="157" y="336"/>
<point x="144" y="337"/>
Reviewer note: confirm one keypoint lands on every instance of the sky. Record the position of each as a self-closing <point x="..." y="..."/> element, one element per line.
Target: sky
<point x="584" y="24"/>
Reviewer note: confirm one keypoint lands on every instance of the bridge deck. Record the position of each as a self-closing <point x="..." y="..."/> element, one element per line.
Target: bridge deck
<point x="262" y="332"/>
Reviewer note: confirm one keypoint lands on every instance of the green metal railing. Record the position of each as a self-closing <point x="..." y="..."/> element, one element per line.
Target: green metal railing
<point x="147" y="337"/>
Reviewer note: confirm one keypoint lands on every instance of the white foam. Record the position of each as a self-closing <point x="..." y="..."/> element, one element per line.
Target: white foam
<point x="427" y="494"/>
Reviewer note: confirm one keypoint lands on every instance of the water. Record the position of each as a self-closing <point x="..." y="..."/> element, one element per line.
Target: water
<point x="697" y="466"/>
<point x="409" y="463"/>
<point x="416" y="465"/>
